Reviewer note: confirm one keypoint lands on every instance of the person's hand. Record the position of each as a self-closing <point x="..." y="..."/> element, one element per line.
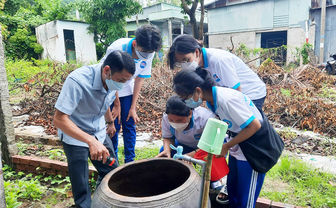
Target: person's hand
<point x="164" y="153"/>
<point x="97" y="150"/>
<point x="191" y="154"/>
<point x="132" y="113"/>
<point x="116" y="111"/>
<point x="225" y="149"/>
<point x="111" y="130"/>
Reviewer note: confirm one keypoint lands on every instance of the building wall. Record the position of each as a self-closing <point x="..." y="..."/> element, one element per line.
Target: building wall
<point x="330" y="31"/>
<point x="50" y="36"/>
<point x="245" y="22"/>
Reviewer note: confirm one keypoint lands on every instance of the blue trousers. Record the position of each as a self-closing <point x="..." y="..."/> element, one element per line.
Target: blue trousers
<point x="243" y="184"/>
<point x="129" y="131"/>
<point x="77" y="158"/>
<point x="259" y="103"/>
<point x="186" y="149"/>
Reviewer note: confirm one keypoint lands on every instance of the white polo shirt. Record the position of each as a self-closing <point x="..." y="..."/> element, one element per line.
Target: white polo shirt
<point x="237" y="110"/>
<point x="191" y="136"/>
<point x="143" y="68"/>
<point x="230" y="71"/>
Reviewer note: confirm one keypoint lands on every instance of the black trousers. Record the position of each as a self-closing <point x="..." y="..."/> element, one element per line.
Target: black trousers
<point x="77" y="157"/>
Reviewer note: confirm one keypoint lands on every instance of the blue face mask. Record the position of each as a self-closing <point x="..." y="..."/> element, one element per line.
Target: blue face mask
<point x="113" y="85"/>
<point x="192" y="104"/>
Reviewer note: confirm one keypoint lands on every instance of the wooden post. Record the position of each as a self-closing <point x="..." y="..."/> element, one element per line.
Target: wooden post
<point x="206" y="187"/>
<point x="322" y="31"/>
<point x="170" y="32"/>
<point x="7" y="138"/>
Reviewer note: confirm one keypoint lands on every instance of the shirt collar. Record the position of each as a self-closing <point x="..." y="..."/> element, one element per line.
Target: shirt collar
<point x="214" y="96"/>
<point x="191" y="122"/>
<point x="205" y="58"/>
<point x="129" y="47"/>
<point x="97" y="81"/>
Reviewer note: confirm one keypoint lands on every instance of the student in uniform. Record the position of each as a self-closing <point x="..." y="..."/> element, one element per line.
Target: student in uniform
<point x="253" y="143"/>
<point x="142" y="48"/>
<point x="226" y="68"/>
<point x="81" y="107"/>
<point x="183" y="126"/>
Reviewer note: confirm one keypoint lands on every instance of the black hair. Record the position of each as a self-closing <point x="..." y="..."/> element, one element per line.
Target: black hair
<point x="182" y="44"/>
<point x="176" y="106"/>
<point x="186" y="81"/>
<point x="119" y="60"/>
<point x="148" y="37"/>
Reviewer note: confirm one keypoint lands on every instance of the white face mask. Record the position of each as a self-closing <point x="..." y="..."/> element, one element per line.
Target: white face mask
<point x="189" y="65"/>
<point x="144" y="55"/>
<point x="179" y="126"/>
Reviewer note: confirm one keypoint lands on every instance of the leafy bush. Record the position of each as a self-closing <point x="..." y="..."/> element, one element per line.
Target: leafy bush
<point x="20" y="71"/>
<point x="20" y="17"/>
<point x="23" y="45"/>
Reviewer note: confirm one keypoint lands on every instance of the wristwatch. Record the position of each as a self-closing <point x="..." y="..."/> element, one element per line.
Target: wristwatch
<point x="109" y="122"/>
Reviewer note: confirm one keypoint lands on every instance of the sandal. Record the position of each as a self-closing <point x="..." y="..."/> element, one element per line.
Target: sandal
<point x="222" y="197"/>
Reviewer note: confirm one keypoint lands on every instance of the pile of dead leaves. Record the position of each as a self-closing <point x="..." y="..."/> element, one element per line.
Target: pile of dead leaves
<point x="294" y="98"/>
<point x="152" y="101"/>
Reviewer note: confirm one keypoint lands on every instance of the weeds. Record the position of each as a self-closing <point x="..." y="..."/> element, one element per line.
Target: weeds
<point x="308" y="186"/>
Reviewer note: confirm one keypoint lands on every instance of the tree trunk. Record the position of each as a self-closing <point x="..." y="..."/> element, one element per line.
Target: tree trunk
<point x="7" y="138"/>
<point x="194" y="27"/>
<point x="196" y="30"/>
<point x="201" y="25"/>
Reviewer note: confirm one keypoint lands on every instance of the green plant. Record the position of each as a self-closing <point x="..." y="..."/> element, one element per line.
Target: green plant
<point x="328" y="93"/>
<point x="56" y="154"/>
<point x="285" y="92"/>
<point x="109" y="23"/>
<point x="24" y="188"/>
<point x="20" y="17"/>
<point x="287" y="133"/>
<point x="23" y="45"/>
<point x="308" y="186"/>
<point x="303" y="53"/>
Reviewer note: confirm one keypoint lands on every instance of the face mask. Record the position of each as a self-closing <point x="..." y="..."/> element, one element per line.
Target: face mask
<point x="193" y="104"/>
<point x="113" y="85"/>
<point x="189" y="65"/>
<point x="179" y="126"/>
<point x="144" y="55"/>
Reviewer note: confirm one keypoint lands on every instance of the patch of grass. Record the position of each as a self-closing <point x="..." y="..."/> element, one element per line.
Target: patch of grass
<point x="140" y="153"/>
<point x="287" y="133"/>
<point x="285" y="92"/>
<point x="305" y="186"/>
<point x="328" y="93"/>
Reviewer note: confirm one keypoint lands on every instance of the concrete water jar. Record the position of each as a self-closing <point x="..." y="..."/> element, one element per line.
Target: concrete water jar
<point x="158" y="182"/>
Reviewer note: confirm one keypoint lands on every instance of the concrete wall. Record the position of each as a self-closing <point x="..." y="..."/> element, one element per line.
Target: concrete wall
<point x="259" y="15"/>
<point x="50" y="36"/>
<point x="245" y="22"/>
<point x="330" y="31"/>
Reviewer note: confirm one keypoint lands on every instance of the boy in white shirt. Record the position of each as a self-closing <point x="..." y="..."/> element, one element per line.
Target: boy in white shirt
<point x="142" y="48"/>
